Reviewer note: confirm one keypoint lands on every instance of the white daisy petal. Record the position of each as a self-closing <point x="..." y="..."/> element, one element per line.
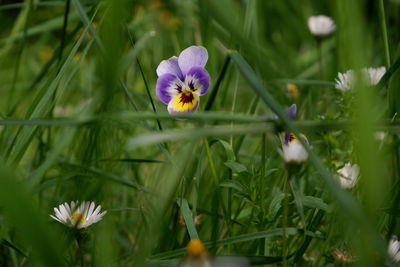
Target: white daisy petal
<point x="58" y="213"/>
<point x="345" y="81"/>
<point x="73" y="206"/>
<point x="57" y="219"/>
<point x="69" y="208"/>
<point x="321" y="25"/>
<point x="293" y="151"/>
<point x="91" y="208"/>
<point x="78" y="215"/>
<point x="63" y="210"/>
<point x="373" y="75"/>
<point x="394" y="249"/>
<point x="97" y="210"/>
<point x="348" y="175"/>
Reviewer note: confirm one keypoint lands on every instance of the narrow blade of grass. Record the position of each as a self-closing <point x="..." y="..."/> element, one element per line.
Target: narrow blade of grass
<point x="187" y="216"/>
<point x="346" y="202"/>
<point x="30" y="224"/>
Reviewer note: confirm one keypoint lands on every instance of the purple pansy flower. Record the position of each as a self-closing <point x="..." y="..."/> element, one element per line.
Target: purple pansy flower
<point x="182" y="80"/>
<point x="291" y="112"/>
<point x="293" y="151"/>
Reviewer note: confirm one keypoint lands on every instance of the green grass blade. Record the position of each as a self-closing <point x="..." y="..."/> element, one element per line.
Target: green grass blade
<point x="195" y="133"/>
<point x="217" y="84"/>
<point x="40" y="106"/>
<point x="233" y="240"/>
<point x="87" y="22"/>
<point x="18" y="205"/>
<point x="187" y="215"/>
<point x="382" y="22"/>
<point x="346" y="202"/>
<point x="298" y="199"/>
<point x="14" y="247"/>
<point x="47" y="26"/>
<point x="113" y="177"/>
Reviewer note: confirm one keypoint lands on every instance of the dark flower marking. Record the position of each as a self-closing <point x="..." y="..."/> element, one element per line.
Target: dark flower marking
<point x="186" y="97"/>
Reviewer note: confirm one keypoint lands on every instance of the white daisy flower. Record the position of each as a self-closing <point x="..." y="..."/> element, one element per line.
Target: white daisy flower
<point x="197" y="255"/>
<point x="394" y="249"/>
<point x="79" y="216"/>
<point x="348" y="175"/>
<point x="373" y="75"/>
<point x="380" y="135"/>
<point x="292" y="150"/>
<point x="321" y="25"/>
<point x="345" y="81"/>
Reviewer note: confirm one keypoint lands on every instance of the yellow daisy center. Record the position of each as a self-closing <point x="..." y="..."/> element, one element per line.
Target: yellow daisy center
<point x="293" y="90"/>
<point x="195" y="248"/>
<point x="78" y="217"/>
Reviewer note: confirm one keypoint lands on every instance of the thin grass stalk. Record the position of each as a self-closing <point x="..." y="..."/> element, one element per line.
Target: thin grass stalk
<point x="19" y="56"/>
<point x="39" y="4"/>
<point x="60" y="54"/>
<point x="64" y="30"/>
<point x="211" y="162"/>
<point x="264" y="247"/>
<point x="285" y="224"/>
<point x="148" y="92"/>
<point x="146" y="85"/>
<point x="217" y="84"/>
<point x="347" y="203"/>
<point x="382" y="22"/>
<point x="320" y="61"/>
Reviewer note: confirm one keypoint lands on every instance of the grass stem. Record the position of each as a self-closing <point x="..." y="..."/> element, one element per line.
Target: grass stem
<point x="382" y="22"/>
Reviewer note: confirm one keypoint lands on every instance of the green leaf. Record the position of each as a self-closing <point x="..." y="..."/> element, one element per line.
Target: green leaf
<point x="276" y="202"/>
<point x="42" y="102"/>
<point x="195" y="133"/>
<point x="346" y="202"/>
<point x="235" y="166"/>
<point x="111" y="176"/>
<point x="298" y="199"/>
<point x="233" y="185"/>
<point x="187" y="215"/>
<point x="31" y="225"/>
<point x="215" y="89"/>
<point x="316" y="203"/>
<point x="234" y="240"/>
<point x="14" y="247"/>
<point x="230" y="154"/>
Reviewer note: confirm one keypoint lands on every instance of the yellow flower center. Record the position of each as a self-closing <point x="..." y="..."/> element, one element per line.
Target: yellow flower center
<point x="292" y="138"/>
<point x="195" y="248"/>
<point x="185" y="101"/>
<point x="78" y="217"/>
<point x="293" y="91"/>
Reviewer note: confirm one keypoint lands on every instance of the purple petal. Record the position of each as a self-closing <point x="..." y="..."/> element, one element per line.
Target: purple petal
<point x="291" y="111"/>
<point x="200" y="79"/>
<point x="194" y="56"/>
<point x="287" y="138"/>
<point x="167" y="86"/>
<point x="169" y="66"/>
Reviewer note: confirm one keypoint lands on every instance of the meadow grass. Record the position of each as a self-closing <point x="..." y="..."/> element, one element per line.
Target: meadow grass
<point x="80" y="120"/>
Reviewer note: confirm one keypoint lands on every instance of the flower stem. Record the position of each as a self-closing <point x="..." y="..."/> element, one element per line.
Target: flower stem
<point x="382" y="22"/>
<point x="319" y="47"/>
<point x="79" y="248"/>
<point x="211" y="162"/>
<point x="285" y="220"/>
